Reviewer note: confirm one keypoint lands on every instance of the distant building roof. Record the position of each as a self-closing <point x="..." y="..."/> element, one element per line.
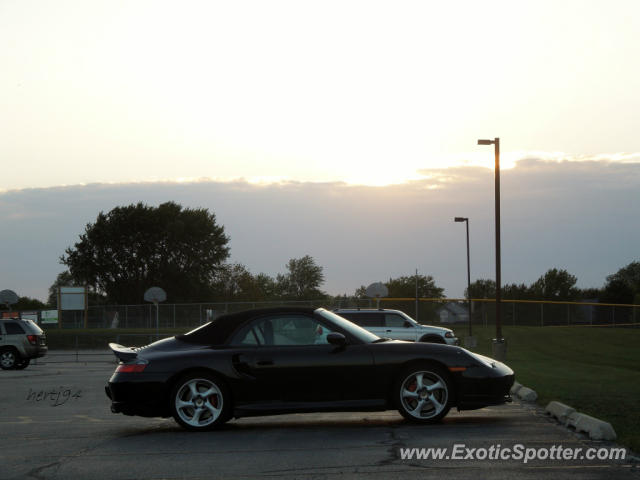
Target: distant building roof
<point x="455" y="308"/>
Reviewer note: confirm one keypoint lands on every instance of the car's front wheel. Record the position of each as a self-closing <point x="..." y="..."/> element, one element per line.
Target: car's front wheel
<point x="432" y="339"/>
<point x="8" y="359"/>
<point x="424" y="393"/>
<point x="200" y="401"/>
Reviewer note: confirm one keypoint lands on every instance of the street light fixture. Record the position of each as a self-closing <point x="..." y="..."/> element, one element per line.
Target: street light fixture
<point x="466" y="220"/>
<point x="499" y="349"/>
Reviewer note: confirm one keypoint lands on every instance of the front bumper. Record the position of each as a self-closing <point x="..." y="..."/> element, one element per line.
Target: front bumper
<point x="484" y="386"/>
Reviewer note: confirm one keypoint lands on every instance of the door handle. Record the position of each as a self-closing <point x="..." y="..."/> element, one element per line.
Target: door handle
<point x="263" y="362"/>
<point x="388" y="331"/>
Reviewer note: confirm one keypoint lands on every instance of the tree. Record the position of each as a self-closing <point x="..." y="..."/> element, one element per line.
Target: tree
<point x="514" y="291"/>
<point x="591" y="293"/>
<point x="235" y="283"/>
<point x="624" y="284"/>
<point x="555" y="285"/>
<point x="617" y="291"/>
<point x="405" y="287"/>
<point x="361" y="292"/>
<point x="266" y="286"/>
<point x="135" y="247"/>
<point x="28" y="303"/>
<point x="302" y="280"/>
<point x="481" y="288"/>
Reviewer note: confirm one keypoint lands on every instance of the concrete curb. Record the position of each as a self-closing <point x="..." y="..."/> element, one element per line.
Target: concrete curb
<point x="597" y="429"/>
<point x="523" y="393"/>
<point x="560" y="411"/>
<point x="514" y="389"/>
<point x="526" y="394"/>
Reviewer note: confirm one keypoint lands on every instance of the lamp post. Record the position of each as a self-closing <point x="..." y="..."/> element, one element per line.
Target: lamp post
<point x="499" y="345"/>
<point x="466" y="221"/>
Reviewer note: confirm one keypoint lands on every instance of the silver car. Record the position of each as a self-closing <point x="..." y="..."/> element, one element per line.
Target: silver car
<point x="397" y="325"/>
<point x="20" y="341"/>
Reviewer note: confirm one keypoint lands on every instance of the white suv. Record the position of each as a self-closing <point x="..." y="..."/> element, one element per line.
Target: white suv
<point x="397" y="325"/>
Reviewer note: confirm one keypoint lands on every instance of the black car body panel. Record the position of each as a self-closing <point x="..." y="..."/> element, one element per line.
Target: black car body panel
<point x="271" y="379"/>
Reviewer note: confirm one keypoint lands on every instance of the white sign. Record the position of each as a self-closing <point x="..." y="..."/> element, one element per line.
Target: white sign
<point x="33" y="316"/>
<point x="49" y="316"/>
<point x="72" y="298"/>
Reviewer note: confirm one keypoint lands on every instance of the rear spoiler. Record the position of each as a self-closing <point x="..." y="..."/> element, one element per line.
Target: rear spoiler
<point x="124" y="354"/>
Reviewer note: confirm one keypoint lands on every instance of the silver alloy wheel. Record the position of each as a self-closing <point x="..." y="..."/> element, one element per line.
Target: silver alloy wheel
<point x="198" y="402"/>
<point x="424" y="394"/>
<point x="8" y="359"/>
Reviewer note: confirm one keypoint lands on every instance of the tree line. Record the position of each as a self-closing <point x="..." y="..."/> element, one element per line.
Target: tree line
<point x="559" y="285"/>
<point x="185" y="251"/>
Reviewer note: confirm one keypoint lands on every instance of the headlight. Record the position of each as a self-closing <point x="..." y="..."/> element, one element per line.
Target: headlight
<point x="449" y="335"/>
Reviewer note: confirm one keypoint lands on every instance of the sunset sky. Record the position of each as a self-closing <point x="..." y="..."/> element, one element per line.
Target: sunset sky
<point x="368" y="93"/>
<point x="365" y="92"/>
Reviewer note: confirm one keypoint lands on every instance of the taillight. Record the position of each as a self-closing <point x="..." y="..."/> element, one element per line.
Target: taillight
<point x="33" y="339"/>
<point x="131" y="367"/>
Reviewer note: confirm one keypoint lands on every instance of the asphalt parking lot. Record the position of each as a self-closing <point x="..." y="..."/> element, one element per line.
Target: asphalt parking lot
<point x="56" y="424"/>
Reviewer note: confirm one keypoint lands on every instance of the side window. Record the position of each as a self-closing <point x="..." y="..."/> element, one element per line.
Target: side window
<point x="252" y="334"/>
<point x="394" y="320"/>
<point x="283" y="330"/>
<point x="365" y="319"/>
<point x="13" y="328"/>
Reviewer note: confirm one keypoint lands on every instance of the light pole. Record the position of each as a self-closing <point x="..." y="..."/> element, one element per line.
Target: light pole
<point x="466" y="221"/>
<point x="499" y="346"/>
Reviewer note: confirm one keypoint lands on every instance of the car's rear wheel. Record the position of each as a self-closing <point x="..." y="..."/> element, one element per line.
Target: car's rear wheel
<point x="200" y="401"/>
<point x="22" y="364"/>
<point x="424" y="393"/>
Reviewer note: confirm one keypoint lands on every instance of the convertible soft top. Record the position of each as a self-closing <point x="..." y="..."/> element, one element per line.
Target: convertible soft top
<point x="218" y="331"/>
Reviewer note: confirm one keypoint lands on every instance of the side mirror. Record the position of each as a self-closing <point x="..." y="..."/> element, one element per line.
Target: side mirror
<point x="407" y="324"/>
<point x="337" y="339"/>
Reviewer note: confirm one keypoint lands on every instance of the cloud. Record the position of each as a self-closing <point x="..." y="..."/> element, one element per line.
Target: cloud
<point x="578" y="215"/>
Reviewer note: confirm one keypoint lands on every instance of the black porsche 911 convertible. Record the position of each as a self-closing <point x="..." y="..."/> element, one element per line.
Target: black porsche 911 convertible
<point x="292" y="360"/>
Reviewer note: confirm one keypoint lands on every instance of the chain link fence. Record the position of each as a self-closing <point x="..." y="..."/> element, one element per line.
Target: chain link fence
<point x="135" y="325"/>
<point x="178" y="316"/>
<point x="448" y="312"/>
<point x="517" y="312"/>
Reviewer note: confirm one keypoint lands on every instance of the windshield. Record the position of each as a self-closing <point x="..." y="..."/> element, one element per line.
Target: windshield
<point x="360" y="333"/>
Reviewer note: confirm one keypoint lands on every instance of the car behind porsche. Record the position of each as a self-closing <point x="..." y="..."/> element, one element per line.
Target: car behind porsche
<point x="295" y="360"/>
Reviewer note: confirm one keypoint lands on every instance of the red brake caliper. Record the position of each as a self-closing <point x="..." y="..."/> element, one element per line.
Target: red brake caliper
<point x="413" y="386"/>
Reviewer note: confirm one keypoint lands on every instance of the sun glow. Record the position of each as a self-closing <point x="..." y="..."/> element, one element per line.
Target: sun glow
<point x="361" y="92"/>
